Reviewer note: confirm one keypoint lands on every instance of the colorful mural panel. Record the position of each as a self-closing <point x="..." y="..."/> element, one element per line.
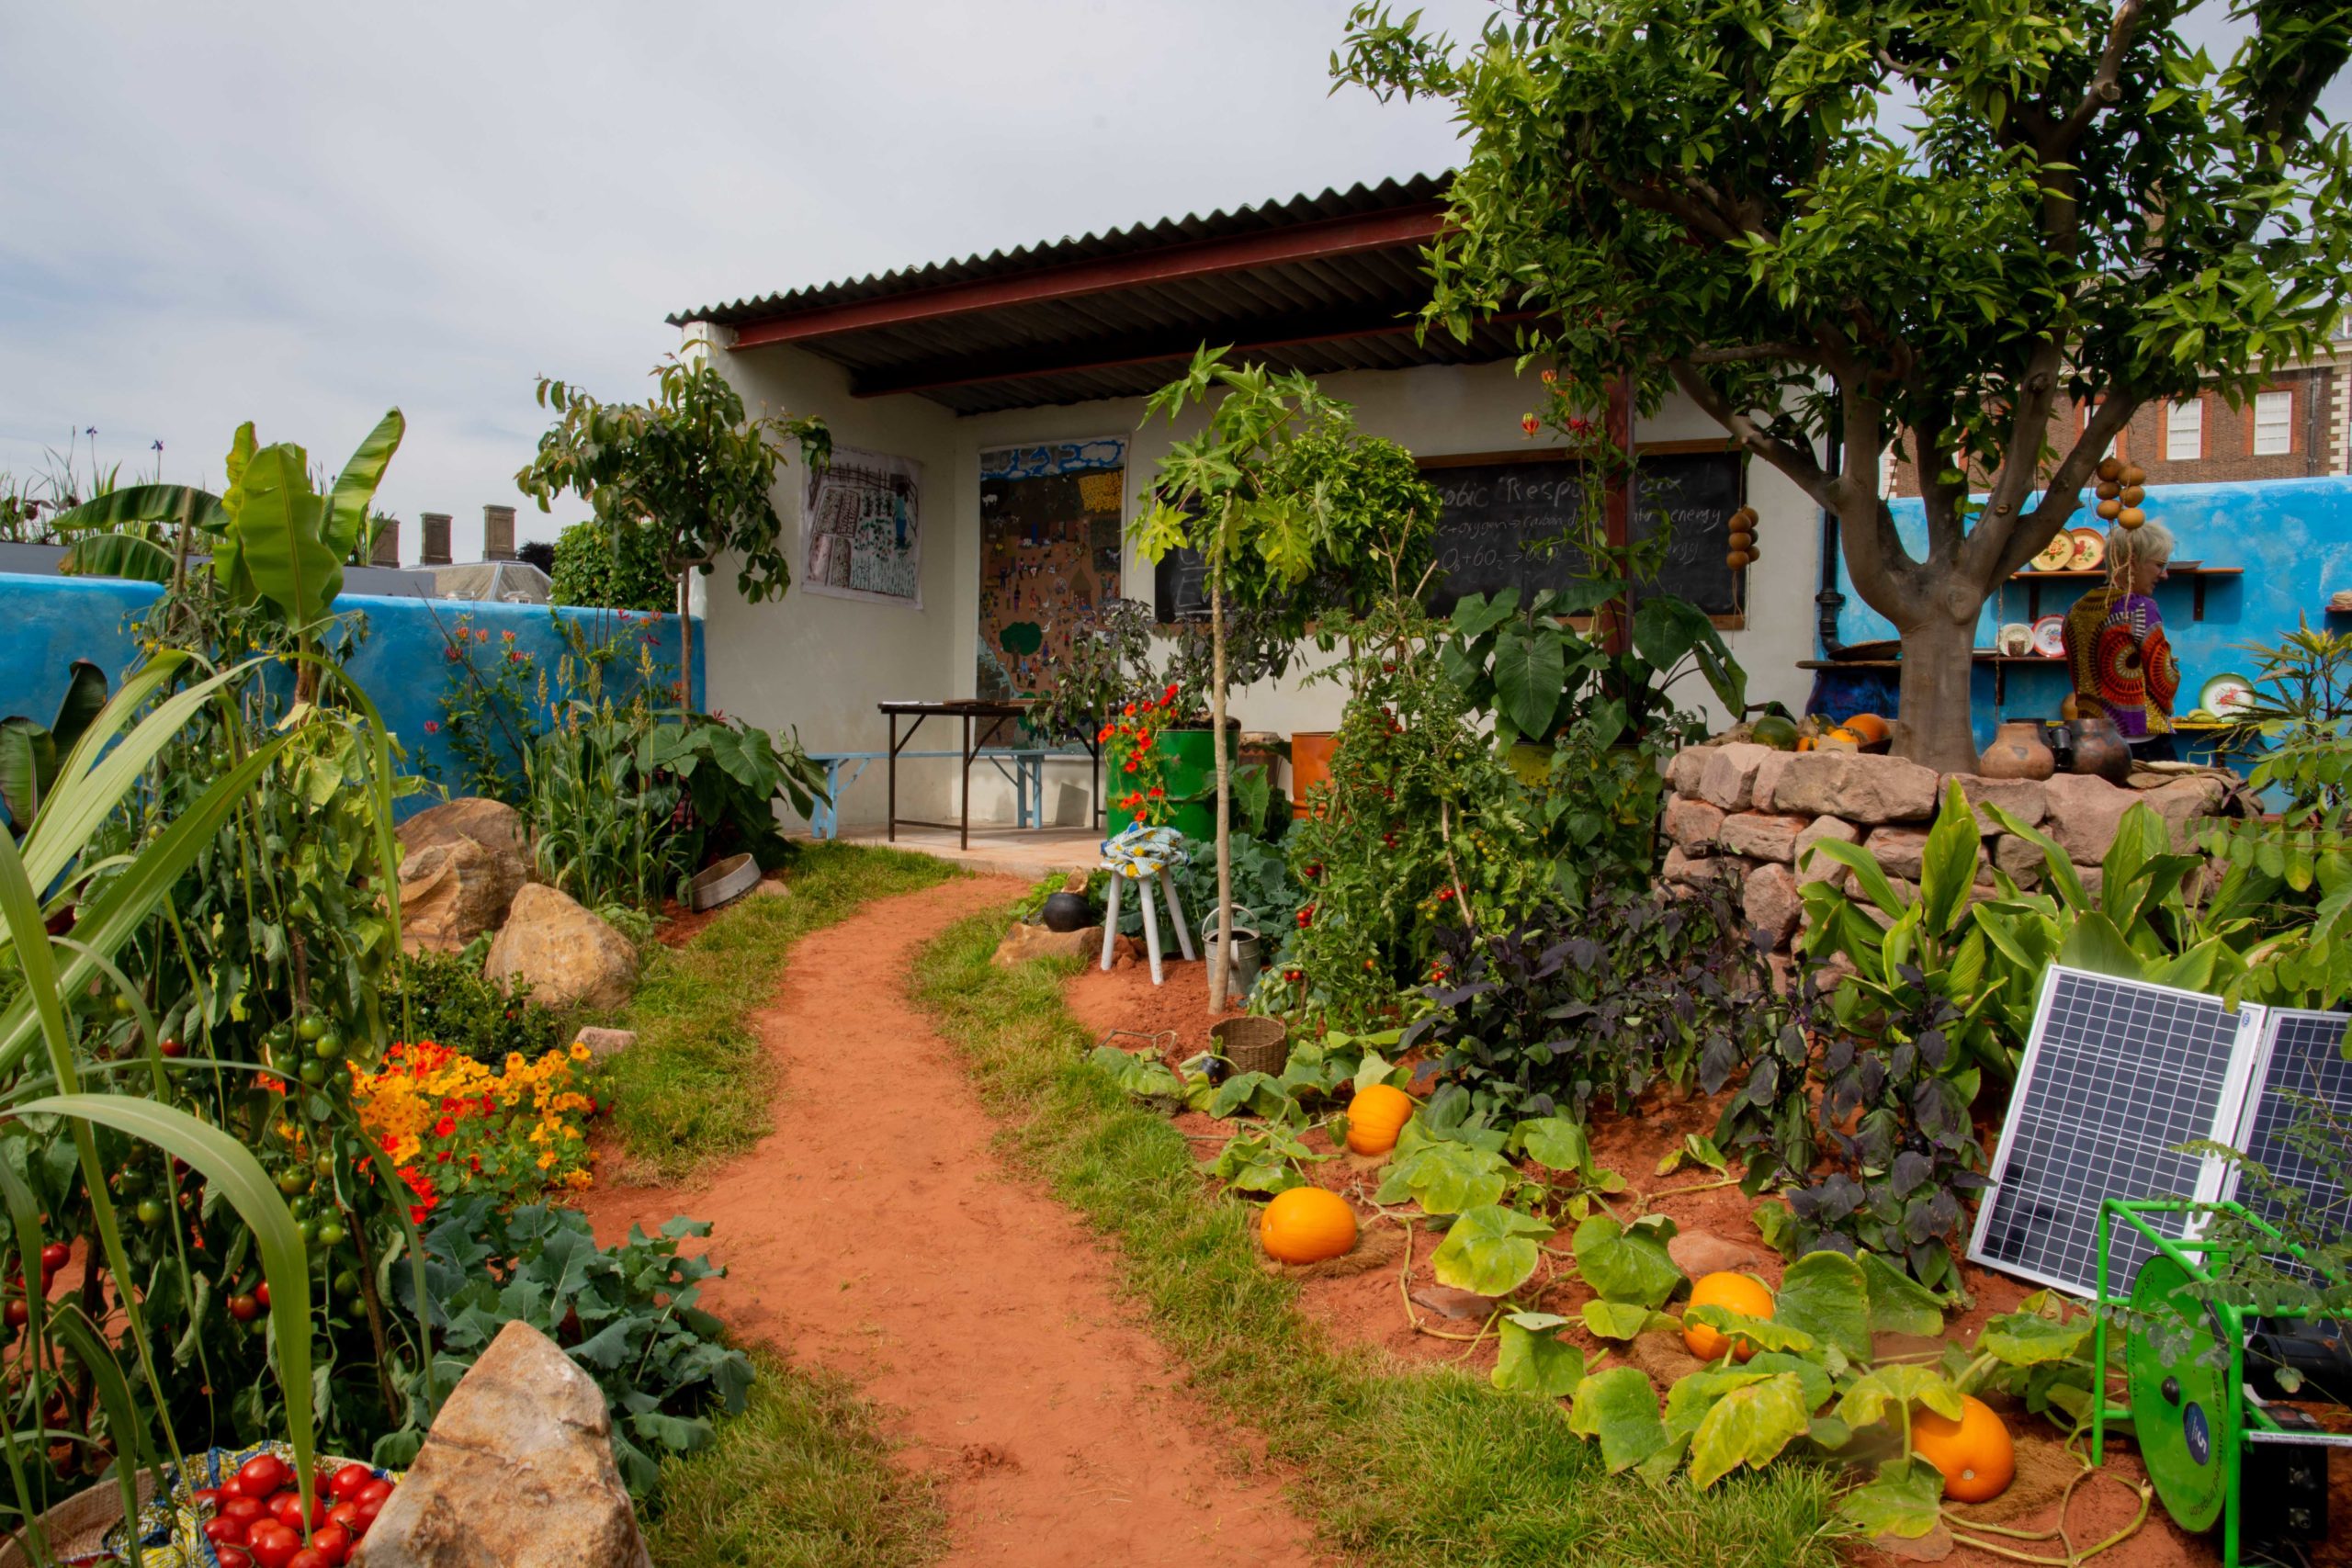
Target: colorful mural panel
<point x="1050" y="516"/>
<point x="861" y="528"/>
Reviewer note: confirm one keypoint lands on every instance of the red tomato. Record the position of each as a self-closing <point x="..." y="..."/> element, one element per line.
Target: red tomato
<point x="55" y="1256"/>
<point x="225" y="1532"/>
<point x="262" y="1474"/>
<point x="346" y="1514"/>
<point x="375" y="1492"/>
<point x="260" y="1293"/>
<point x="368" y="1512"/>
<point x="233" y="1557"/>
<point x="311" y="1557"/>
<point x="271" y="1544"/>
<point x="206" y="1496"/>
<point x="287" y="1507"/>
<point x="333" y="1540"/>
<point x="245" y="1510"/>
<point x="347" y="1481"/>
<point x="18" y="1314"/>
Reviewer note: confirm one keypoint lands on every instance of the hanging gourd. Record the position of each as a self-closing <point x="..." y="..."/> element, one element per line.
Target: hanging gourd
<point x="2133" y="495"/>
<point x="2110" y="508"/>
<point x="2131" y="478"/>
<point x="2110" y="468"/>
<point x="2132" y="517"/>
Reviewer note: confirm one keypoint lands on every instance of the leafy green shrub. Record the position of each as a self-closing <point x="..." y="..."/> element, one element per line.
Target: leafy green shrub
<point x="451" y="1004"/>
<point x="625" y="1315"/>
<point x="594" y="568"/>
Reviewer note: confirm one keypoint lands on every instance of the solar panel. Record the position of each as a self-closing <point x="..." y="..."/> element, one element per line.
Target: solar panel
<point x="2299" y="1073"/>
<point x="2118" y="1075"/>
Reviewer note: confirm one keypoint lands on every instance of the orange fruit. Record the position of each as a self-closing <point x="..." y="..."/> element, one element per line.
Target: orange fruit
<point x="1306" y="1224"/>
<point x="1973" y="1453"/>
<point x="1741" y="1293"/>
<point x="1375" y="1117"/>
<point x="1874" y="730"/>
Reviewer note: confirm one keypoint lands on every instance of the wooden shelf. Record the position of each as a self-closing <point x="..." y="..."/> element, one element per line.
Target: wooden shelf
<point x="2195" y="573"/>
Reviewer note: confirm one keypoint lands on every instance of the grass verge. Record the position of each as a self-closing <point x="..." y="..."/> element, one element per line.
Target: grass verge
<point x="1406" y="1467"/>
<point x="802" y="1479"/>
<point x="696" y="1088"/>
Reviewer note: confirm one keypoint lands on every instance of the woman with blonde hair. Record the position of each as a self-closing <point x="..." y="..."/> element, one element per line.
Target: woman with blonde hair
<point x="2116" y="648"/>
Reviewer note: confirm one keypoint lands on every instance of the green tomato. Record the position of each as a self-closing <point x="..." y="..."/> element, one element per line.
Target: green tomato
<point x="324" y="1164"/>
<point x="328" y="1047"/>
<point x="309" y="1028"/>
<point x="150" y="1211"/>
<point x="299" y="1205"/>
<point x="307" y="1230"/>
<point x="346" y="1284"/>
<point x="293" y="1180"/>
<point x="331" y="1232"/>
<point x="313" y="1072"/>
<point x="281" y="1036"/>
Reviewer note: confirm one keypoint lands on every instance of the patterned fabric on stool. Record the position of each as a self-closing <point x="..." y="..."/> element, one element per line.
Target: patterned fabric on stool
<point x="1140" y="855"/>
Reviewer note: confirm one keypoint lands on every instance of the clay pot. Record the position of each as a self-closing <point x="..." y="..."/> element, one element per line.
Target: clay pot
<point x="2016" y="753"/>
<point x="2100" y="749"/>
<point x="1066" y="912"/>
<point x="1310" y="761"/>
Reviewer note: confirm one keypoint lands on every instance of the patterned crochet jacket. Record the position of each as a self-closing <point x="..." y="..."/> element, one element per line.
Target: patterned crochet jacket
<point x="2118" y="655"/>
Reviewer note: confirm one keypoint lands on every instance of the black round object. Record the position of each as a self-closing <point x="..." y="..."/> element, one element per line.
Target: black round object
<point x="1066" y="912"/>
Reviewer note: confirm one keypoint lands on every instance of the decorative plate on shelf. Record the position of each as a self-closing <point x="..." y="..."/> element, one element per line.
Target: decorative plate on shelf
<point x="2057" y="554"/>
<point x="2016" y="639"/>
<point x="2225" y="695"/>
<point x="2090" y="549"/>
<point x="2050" y="637"/>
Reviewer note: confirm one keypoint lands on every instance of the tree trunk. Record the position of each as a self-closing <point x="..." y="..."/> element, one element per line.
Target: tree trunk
<point x="685" y="638"/>
<point x="1220" y="963"/>
<point x="1938" y="674"/>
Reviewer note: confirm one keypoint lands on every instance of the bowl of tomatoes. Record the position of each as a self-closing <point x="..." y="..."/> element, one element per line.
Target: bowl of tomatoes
<point x="243" y="1508"/>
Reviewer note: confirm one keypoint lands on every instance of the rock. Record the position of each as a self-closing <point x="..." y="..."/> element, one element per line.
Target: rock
<point x="1447" y="1302"/>
<point x="2185" y="804"/>
<point x="2093" y="878"/>
<point x="494" y="825"/>
<point x="1682" y="871"/>
<point x="1821" y="868"/>
<point x="517" y="1471"/>
<point x="772" y="887"/>
<point x="1860" y="788"/>
<point x="2084" y="812"/>
<point x="2021" y="858"/>
<point x="1762" y="835"/>
<point x="1698" y="1252"/>
<point x="1076" y="882"/>
<point x="604" y="1043"/>
<point x="1683" y="773"/>
<point x="1771" y="901"/>
<point x="1898" y="851"/>
<point x="1693" y="824"/>
<point x="1730" y="774"/>
<point x="569" y="955"/>
<point x="1663" y="1357"/>
<point x="2025" y="799"/>
<point x="453" y="891"/>
<point x="1767" y="779"/>
<point x="1023" y="942"/>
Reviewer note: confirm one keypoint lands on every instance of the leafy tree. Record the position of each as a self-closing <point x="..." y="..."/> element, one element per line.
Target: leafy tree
<point x="1278" y="491"/>
<point x="688" y="465"/>
<point x="612" y="568"/>
<point x="1894" y="219"/>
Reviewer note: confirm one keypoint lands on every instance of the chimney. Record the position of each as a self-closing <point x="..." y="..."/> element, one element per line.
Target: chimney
<point x="437" y="539"/>
<point x="498" y="533"/>
<point x="387" y="544"/>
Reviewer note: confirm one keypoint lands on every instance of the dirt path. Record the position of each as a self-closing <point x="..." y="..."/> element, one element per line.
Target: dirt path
<point x="874" y="1233"/>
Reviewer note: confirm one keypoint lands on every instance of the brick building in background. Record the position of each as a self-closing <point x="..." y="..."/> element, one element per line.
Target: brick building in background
<point x="2298" y="427"/>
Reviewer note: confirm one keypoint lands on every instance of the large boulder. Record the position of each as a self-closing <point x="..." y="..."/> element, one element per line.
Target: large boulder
<point x="2185" y="805"/>
<point x="2084" y="814"/>
<point x="1729" y="777"/>
<point x="569" y="955"/>
<point x="1022" y="942"/>
<point x="1855" y="786"/>
<point x="517" y="1471"/>
<point x="1762" y="835"/>
<point x="2026" y="799"/>
<point x="1771" y="901"/>
<point x="453" y="891"/>
<point x="494" y="825"/>
<point x="1821" y="868"/>
<point x="1691" y="823"/>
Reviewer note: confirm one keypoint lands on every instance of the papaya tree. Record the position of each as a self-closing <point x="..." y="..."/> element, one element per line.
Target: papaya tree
<point x="1950" y="226"/>
<point x="689" y="466"/>
<point x="1291" y="508"/>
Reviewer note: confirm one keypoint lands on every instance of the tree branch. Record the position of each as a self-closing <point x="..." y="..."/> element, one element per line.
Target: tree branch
<point x="1789" y="459"/>
<point x="2062" y="496"/>
<point x="2106" y="82"/>
<point x="1797" y="352"/>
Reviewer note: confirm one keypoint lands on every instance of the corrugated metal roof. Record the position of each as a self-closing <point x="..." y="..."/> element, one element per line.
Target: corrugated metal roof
<point x="1357" y="199"/>
<point x="1049" y="323"/>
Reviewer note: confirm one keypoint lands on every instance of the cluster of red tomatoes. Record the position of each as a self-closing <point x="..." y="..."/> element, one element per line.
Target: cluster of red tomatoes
<point x="256" y="1520"/>
<point x="53" y="1257"/>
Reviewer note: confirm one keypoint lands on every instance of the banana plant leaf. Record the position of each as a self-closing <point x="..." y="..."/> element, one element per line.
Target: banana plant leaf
<point x="275" y="520"/>
<point x="353" y="490"/>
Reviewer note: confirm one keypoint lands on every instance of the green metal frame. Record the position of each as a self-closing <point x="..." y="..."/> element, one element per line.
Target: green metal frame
<point x="2235" y="1413"/>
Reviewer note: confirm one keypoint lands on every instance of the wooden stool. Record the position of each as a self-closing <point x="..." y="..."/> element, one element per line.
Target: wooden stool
<point x="1139" y="856"/>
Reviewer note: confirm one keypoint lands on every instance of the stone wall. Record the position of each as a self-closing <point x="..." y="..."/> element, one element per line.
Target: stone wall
<point x="1749" y="812"/>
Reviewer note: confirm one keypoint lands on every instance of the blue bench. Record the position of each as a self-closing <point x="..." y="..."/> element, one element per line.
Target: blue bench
<point x="843" y="768"/>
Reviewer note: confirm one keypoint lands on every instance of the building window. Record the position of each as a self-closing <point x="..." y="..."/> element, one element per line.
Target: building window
<point x="2274" y="423"/>
<point x="2185" y="431"/>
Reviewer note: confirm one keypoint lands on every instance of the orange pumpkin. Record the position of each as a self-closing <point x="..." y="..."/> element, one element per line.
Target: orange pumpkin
<point x="1806" y="742"/>
<point x="1840" y="740"/>
<point x="1874" y="730"/>
<point x="1306" y="1224"/>
<point x="1733" y="1293"/>
<point x="1375" y="1117"/>
<point x="1973" y="1453"/>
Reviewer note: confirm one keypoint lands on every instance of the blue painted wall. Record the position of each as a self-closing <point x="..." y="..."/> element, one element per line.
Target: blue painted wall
<point x="2293" y="537"/>
<point x="402" y="664"/>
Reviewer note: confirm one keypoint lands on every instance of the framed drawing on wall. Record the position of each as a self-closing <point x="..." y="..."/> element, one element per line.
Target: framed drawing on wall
<point x="861" y="533"/>
<point x="1050" y="553"/>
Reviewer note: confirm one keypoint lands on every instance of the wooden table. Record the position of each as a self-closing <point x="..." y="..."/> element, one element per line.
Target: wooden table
<point x="984" y="719"/>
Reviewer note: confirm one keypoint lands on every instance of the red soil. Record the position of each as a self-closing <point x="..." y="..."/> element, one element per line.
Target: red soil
<point x="1714" y="1221"/>
<point x="874" y="1233"/>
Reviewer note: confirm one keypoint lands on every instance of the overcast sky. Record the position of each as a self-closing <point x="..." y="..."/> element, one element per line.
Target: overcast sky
<point x="306" y="214"/>
<point x="303" y="215"/>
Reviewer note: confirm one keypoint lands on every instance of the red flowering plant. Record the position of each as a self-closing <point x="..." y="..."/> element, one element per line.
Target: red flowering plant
<point x="1131" y="750"/>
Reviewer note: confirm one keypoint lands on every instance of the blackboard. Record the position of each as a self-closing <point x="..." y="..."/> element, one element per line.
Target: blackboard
<point x="1180" y="586"/>
<point x="1495" y="510"/>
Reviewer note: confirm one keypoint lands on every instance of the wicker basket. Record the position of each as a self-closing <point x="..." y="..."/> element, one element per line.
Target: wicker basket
<point x="1252" y="1044"/>
<point x="77" y="1527"/>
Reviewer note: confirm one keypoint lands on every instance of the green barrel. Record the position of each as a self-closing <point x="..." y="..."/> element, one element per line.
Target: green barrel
<point x="1187" y="766"/>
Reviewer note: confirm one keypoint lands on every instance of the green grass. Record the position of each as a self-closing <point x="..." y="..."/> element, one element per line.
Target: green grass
<point x="802" y="1479"/>
<point x="696" y="1088"/>
<point x="1396" y="1465"/>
